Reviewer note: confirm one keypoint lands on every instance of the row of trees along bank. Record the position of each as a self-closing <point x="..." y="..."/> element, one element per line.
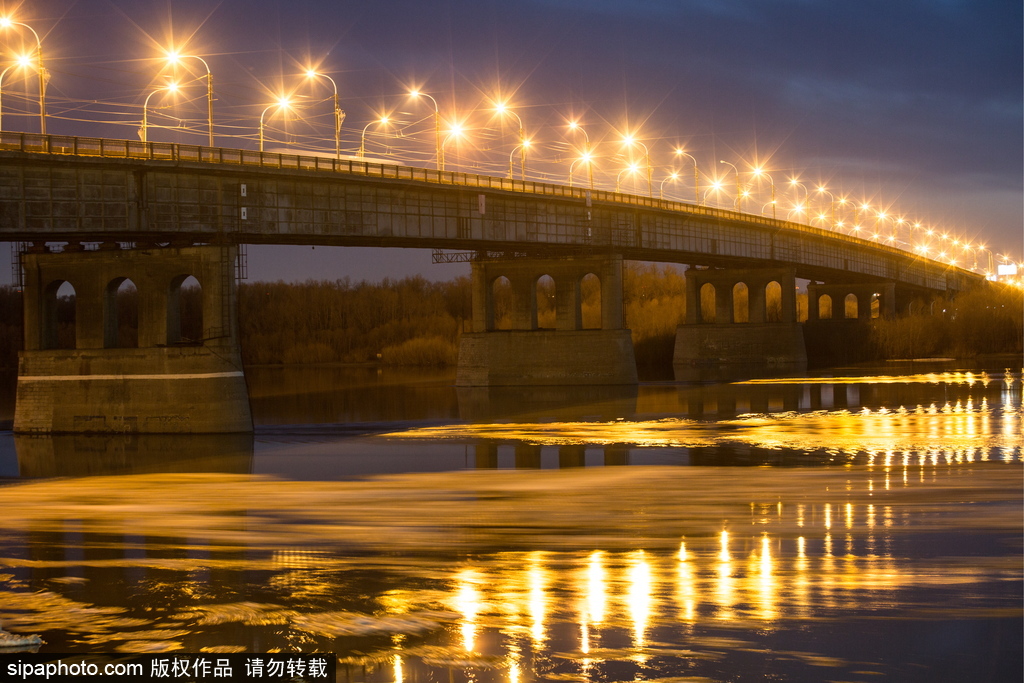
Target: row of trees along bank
<point x="412" y="321"/>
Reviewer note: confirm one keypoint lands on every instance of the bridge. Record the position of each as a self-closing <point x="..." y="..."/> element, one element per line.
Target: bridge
<point x="156" y="213"/>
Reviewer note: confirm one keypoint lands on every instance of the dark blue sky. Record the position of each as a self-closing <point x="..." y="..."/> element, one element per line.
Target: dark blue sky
<point x="915" y="105"/>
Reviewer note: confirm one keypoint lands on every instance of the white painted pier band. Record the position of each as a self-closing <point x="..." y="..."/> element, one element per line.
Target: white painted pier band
<point x="60" y="378"/>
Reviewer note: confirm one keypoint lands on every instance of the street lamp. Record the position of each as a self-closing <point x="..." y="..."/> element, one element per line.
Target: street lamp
<point x="587" y="155"/>
<point x="758" y="172"/>
<point x="22" y="61"/>
<point x="339" y="115"/>
<point x="282" y="103"/>
<point x="671" y="176"/>
<point x="456" y="131"/>
<point x="171" y="88"/>
<point x="831" y="207"/>
<point x="585" y="158"/>
<point x="632" y="168"/>
<point x="716" y="187"/>
<point x="383" y="121"/>
<point x="524" y="145"/>
<point x="794" y="183"/>
<point x="174" y="58"/>
<point x="7" y="22"/>
<point x="736" y="172"/>
<point x="438" y="145"/>
<point x="629" y="141"/>
<point x="501" y="109"/>
<point x="696" y="174"/>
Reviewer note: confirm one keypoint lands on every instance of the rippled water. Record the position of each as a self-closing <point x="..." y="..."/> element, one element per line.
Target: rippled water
<point x="423" y="533"/>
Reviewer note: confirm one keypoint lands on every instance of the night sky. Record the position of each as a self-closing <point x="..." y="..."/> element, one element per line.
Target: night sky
<point x="911" y="105"/>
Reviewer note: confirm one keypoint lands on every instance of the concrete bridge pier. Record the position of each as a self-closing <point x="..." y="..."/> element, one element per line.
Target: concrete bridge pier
<point x="524" y="354"/>
<point x="122" y="359"/>
<point x="740" y="323"/>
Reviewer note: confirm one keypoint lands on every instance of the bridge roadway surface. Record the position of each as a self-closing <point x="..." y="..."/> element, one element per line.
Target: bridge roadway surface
<point x="62" y="188"/>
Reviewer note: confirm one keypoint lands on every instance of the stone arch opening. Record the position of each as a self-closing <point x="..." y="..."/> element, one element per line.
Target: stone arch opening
<point x="707" y="303"/>
<point x="851" y="306"/>
<point x="502" y="303"/>
<point x="876" y="305"/>
<point x="740" y="303"/>
<point x="773" y="302"/>
<point x="545" y="289"/>
<point x="825" y="307"/>
<point x="590" y="302"/>
<point x="185" y="311"/>
<point x="121" y="314"/>
<point x="59" y="329"/>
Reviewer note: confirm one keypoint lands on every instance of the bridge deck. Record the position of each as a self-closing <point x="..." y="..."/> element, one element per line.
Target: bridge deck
<point x="64" y="188"/>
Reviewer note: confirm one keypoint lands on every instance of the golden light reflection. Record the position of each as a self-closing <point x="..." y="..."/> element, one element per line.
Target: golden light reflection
<point x="399" y="673"/>
<point x="685" y="586"/>
<point x="597" y="595"/>
<point x="639" y="598"/>
<point x="538" y="581"/>
<point x="468" y="603"/>
<point x="725" y="587"/>
<point x="767" y="583"/>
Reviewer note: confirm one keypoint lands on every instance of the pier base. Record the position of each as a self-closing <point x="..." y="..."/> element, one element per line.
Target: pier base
<point x="546" y="357"/>
<point x="184" y="390"/>
<point x="727" y="352"/>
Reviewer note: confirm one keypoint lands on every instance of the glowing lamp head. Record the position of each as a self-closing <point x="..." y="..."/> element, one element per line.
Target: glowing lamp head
<point x="5" y="22"/>
<point x="414" y="93"/>
<point x="455" y="130"/>
<point x="172" y="87"/>
<point x="500" y="107"/>
<point x="526" y="144"/>
<point x="24" y="60"/>
<point x="173" y="56"/>
<point x="673" y="176"/>
<point x="585" y="158"/>
<point x="311" y="73"/>
<point x="284" y="102"/>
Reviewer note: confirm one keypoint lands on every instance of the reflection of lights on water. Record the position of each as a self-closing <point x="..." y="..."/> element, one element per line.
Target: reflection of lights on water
<point x="538" y="597"/>
<point x="639" y="598"/>
<point x="849" y="515"/>
<point x="724" y="589"/>
<point x="596" y="587"/>
<point x="399" y="677"/>
<point x="828" y="515"/>
<point x="766" y="582"/>
<point x="686" y="590"/>
<point x="468" y="603"/>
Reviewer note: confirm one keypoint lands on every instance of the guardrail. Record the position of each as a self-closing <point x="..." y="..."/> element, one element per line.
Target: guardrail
<point x="169" y="151"/>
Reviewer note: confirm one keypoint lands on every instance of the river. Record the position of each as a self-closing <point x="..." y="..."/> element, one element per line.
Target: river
<point x="860" y="526"/>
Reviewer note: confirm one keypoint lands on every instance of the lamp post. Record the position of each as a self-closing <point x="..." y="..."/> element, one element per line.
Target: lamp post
<point x="758" y="172"/>
<point x="455" y="131"/>
<point x="671" y="176"/>
<point x="383" y="121"/>
<point x="339" y="115"/>
<point x="438" y="145"/>
<point x="736" y="172"/>
<point x="282" y="103"/>
<point x="629" y="141"/>
<point x="632" y="168"/>
<point x="831" y="206"/>
<point x="523" y="145"/>
<point x="173" y="58"/>
<point x="794" y="183"/>
<point x="716" y="187"/>
<point x="502" y="109"/>
<point x="587" y="156"/>
<point x="6" y="22"/>
<point x="22" y="61"/>
<point x="171" y="88"/>
<point x="696" y="174"/>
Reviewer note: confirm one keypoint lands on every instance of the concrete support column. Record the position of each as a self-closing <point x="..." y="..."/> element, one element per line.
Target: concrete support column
<point x="483" y="299"/>
<point x="568" y="313"/>
<point x="692" y="298"/>
<point x="723" y="303"/>
<point x="812" y="302"/>
<point x="757" y="303"/>
<point x="612" y="313"/>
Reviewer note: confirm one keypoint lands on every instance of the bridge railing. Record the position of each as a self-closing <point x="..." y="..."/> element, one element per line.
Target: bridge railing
<point x="169" y="151"/>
